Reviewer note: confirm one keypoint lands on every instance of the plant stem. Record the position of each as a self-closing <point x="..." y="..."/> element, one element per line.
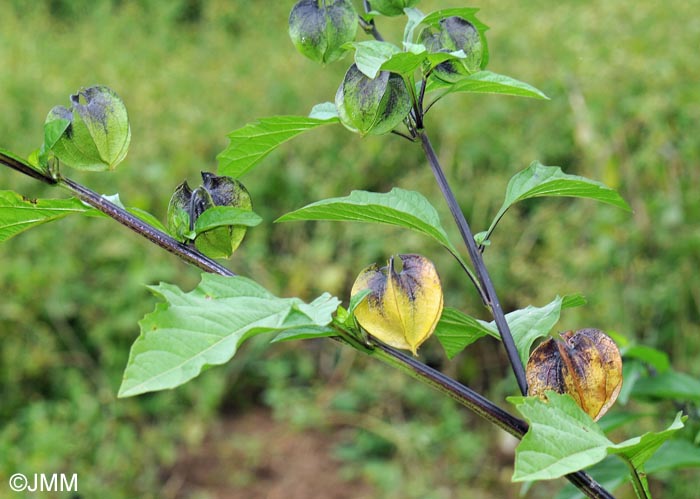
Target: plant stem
<point x="185" y="252"/>
<point x="489" y="293"/>
<point x="468" y="398"/>
<point x="369" y="26"/>
<point x="464" y="395"/>
<point x="638" y="482"/>
<point x="23" y="167"/>
<point x="485" y="289"/>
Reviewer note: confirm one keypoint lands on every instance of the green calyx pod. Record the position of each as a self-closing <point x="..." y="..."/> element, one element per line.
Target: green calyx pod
<point x="98" y="135"/>
<point x="372" y="106"/>
<point x="319" y="28"/>
<point x="210" y="233"/>
<point x="179" y="224"/>
<point x="391" y="7"/>
<point x="453" y="35"/>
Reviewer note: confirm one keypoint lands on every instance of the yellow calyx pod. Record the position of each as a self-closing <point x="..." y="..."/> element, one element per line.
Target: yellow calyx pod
<point x="404" y="306"/>
<point x="586" y="364"/>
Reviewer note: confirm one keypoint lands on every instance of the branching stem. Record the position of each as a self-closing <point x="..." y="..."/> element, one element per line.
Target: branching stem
<point x="488" y="292"/>
<point x="414" y="368"/>
<point x="183" y="251"/>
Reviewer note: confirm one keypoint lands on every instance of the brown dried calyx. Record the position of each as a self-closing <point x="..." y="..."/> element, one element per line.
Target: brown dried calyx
<point x="586" y="364"/>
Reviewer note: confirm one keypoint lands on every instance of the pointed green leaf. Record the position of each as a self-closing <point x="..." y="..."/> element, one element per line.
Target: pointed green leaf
<point x="250" y="144"/>
<point x="612" y="472"/>
<point x="405" y="63"/>
<point x="538" y="180"/>
<point x="371" y="54"/>
<point x="219" y="216"/>
<point x="456" y="330"/>
<point x="487" y="82"/>
<point x="638" y="450"/>
<point x="371" y="57"/>
<point x="561" y="438"/>
<point x="669" y="385"/>
<point x="204" y="327"/>
<point x="397" y="207"/>
<point x="18" y="213"/>
<point x="531" y="323"/>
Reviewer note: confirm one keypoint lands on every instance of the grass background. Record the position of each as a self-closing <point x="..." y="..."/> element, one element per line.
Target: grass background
<point x="622" y="78"/>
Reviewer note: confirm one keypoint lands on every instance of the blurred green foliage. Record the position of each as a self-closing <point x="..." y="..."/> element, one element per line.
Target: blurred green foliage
<point x="623" y="82"/>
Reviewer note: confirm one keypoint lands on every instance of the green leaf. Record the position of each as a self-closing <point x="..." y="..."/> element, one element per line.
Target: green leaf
<point x="611" y="473"/>
<point x="531" y="323"/>
<point x="219" y="216"/>
<point x="670" y="385"/>
<point x="405" y="63"/>
<point x="561" y="438"/>
<point x="414" y="18"/>
<point x="673" y="455"/>
<point x="638" y="450"/>
<point x="456" y="331"/>
<point x="371" y="54"/>
<point x="572" y="301"/>
<point x="18" y="213"/>
<point x="147" y="217"/>
<point x="205" y="327"/>
<point x="250" y="144"/>
<point x="324" y="111"/>
<point x="356" y="299"/>
<point x="371" y="57"/>
<point x="487" y="82"/>
<point x="632" y="371"/>
<point x="655" y="358"/>
<point x="397" y="207"/>
<point x="304" y="333"/>
<point x="538" y="180"/>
